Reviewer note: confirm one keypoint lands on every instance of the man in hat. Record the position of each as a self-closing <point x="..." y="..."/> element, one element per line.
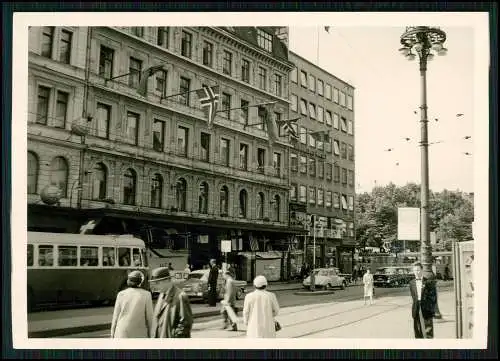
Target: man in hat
<point x="172" y="317"/>
<point x="213" y="276"/>
<point x="229" y="300"/>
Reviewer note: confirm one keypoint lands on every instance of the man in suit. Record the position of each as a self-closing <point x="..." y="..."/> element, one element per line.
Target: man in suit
<point x="212" y="283"/>
<point x="229" y="300"/>
<point x="424" y="296"/>
<point x="172" y="316"/>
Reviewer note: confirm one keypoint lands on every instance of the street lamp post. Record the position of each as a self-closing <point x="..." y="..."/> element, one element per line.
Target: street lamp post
<point x="423" y="40"/>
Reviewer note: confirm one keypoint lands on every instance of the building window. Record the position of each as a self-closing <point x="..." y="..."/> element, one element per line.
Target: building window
<point x="180" y="194"/>
<point x="132" y="128"/>
<point x="303" y="135"/>
<point x="61" y="109"/>
<point x="320" y="114"/>
<point x="245" y="71"/>
<point x="312" y="83"/>
<point x="312" y="141"/>
<point x="335" y="120"/>
<point x="265" y="40"/>
<point x="320" y="87"/>
<point x="47" y="41"/>
<point x="342" y="99"/>
<point x="262" y="78"/>
<point x="137" y="31"/>
<point x="349" y="102"/>
<point x="344" y="201"/>
<point x="312" y="111"/>
<point x="184" y="87"/>
<point x="328" y="118"/>
<point x="244" y="112"/>
<point x="129" y="187"/>
<point x="312" y="167"/>
<point x="32" y="173"/>
<point x="158" y="135"/>
<point x="328" y="91"/>
<point x="329" y="171"/>
<point x="320" y="197"/>
<point x="135" y="67"/>
<point x="224" y="201"/>
<point x="303" y="164"/>
<point x="350" y="180"/>
<point x="161" y="82"/>
<point x="261" y="159"/>
<point x="328" y="199"/>
<point x="261" y="113"/>
<point x="182" y="141"/>
<point x="351" y="229"/>
<point x="203" y="198"/>
<point x="276" y="208"/>
<point x="312" y="195"/>
<point x="343" y="124"/>
<point x="344" y="176"/>
<point x="294" y="162"/>
<point x="277" y="164"/>
<point x="336" y="149"/>
<point x="243" y="156"/>
<point x="103" y="118"/>
<point x="293" y="75"/>
<point x="336" y="200"/>
<point x="156" y="190"/>
<point x="224" y="151"/>
<point x="343" y="150"/>
<point x="99" y="181"/>
<point x="59" y="175"/>
<point x="208" y="51"/>
<point x="42" y="110"/>
<point x="106" y="62"/>
<point x="321" y="169"/>
<point x="302" y="194"/>
<point x="336" y="174"/>
<point x="351" y="203"/>
<point x="278" y="84"/>
<point x="303" y="78"/>
<point x="293" y="192"/>
<point x="336" y="95"/>
<point x="65" y="47"/>
<point x="303" y="107"/>
<point x="260" y="205"/>
<point x="350" y="129"/>
<point x="186" y="44"/>
<point x="328" y="144"/>
<point x="293" y="99"/>
<point x="226" y="105"/>
<point x="162" y="37"/>
<point x="205" y="147"/>
<point x="243" y="204"/>
<point x="227" y="63"/>
<point x="350" y="152"/>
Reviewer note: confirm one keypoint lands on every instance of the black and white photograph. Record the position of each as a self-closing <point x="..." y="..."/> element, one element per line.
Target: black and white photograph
<point x="317" y="181"/>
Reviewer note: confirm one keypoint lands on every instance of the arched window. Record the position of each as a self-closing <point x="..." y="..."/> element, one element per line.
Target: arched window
<point x="156" y="190"/>
<point x="180" y="195"/>
<point x="260" y="205"/>
<point x="224" y="201"/>
<point x="32" y="173"/>
<point x="59" y="174"/>
<point x="203" y="198"/>
<point x="99" y="181"/>
<point x="129" y="187"/>
<point x="276" y="208"/>
<point x="243" y="204"/>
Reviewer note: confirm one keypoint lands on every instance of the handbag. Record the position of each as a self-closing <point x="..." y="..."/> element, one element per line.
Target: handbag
<point x="277" y="326"/>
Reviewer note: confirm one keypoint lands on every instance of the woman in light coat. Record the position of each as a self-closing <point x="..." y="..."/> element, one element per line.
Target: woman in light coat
<point x="133" y="313"/>
<point x="259" y="310"/>
<point x="368" y="289"/>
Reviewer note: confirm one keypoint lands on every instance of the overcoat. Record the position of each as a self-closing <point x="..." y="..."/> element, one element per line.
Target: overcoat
<point x="259" y="311"/>
<point x="133" y="314"/>
<point x="173" y="317"/>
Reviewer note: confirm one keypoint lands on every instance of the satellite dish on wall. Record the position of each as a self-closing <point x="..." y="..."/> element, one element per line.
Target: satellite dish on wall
<point x="51" y="194"/>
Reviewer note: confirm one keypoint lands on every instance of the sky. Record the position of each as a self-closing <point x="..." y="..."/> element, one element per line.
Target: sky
<point x="388" y="91"/>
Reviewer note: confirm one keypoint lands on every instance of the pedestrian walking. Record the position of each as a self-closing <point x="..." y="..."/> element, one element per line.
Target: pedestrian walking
<point x="213" y="276"/>
<point x="368" y="286"/>
<point x="187" y="269"/>
<point x="229" y="301"/>
<point x="259" y="310"/>
<point x="424" y="297"/>
<point x="172" y="316"/>
<point x="133" y="312"/>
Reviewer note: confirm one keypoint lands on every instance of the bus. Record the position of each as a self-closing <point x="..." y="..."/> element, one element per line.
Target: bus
<point x="65" y="268"/>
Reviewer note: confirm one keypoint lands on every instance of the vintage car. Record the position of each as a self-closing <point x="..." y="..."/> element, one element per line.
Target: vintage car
<point x="392" y="276"/>
<point x="196" y="285"/>
<point x="326" y="278"/>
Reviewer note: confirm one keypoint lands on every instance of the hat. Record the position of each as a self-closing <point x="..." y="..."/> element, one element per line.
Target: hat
<point x="160" y="274"/>
<point x="260" y="281"/>
<point x="135" y="278"/>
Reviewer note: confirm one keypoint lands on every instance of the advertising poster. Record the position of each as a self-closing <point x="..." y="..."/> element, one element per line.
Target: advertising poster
<point x="464" y="288"/>
<point x="408" y="224"/>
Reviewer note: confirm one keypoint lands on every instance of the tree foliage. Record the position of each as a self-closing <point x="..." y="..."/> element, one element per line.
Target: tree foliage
<point x="450" y="215"/>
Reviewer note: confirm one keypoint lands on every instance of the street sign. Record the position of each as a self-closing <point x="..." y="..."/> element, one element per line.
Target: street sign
<point x="408" y="224"/>
<point x="225" y="245"/>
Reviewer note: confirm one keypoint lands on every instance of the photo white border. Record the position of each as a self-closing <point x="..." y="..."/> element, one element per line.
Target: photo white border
<point x="21" y="21"/>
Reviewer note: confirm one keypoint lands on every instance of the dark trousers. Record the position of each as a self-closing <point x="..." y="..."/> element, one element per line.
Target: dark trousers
<point x="428" y="326"/>
<point x="212" y="295"/>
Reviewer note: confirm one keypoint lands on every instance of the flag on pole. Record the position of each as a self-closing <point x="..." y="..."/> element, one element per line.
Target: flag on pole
<point x="288" y="127"/>
<point x="327" y="29"/>
<point x="266" y="112"/>
<point x="209" y="98"/>
<point x="145" y="74"/>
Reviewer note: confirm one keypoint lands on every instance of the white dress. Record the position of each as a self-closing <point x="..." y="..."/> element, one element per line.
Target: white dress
<point x="368" y="282"/>
<point x="259" y="311"/>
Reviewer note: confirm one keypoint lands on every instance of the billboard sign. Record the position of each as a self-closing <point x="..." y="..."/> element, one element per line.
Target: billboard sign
<point x="464" y="288"/>
<point x="408" y="224"/>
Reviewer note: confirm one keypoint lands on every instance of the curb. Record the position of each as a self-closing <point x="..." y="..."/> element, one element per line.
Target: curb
<point x="316" y="293"/>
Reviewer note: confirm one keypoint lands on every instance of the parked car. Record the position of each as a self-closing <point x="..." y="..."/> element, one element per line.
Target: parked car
<point x="196" y="285"/>
<point x="392" y="276"/>
<point x="326" y="278"/>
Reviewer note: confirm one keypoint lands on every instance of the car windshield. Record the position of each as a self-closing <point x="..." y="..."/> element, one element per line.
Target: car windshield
<point x="385" y="271"/>
<point x="321" y="272"/>
<point x="198" y="276"/>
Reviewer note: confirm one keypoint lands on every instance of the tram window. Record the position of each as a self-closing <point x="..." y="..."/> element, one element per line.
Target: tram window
<point x="144" y="257"/>
<point x="67" y="256"/>
<point x="45" y="255"/>
<point x="88" y="256"/>
<point x="30" y="255"/>
<point x="108" y="256"/>
<point x="124" y="257"/>
<point x="136" y="256"/>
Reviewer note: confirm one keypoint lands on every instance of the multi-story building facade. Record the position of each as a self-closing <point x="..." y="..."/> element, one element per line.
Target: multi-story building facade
<point x="102" y="154"/>
<point x="322" y="163"/>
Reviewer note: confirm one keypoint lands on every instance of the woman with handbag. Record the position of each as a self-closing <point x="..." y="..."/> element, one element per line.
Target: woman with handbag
<point x="259" y="311"/>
